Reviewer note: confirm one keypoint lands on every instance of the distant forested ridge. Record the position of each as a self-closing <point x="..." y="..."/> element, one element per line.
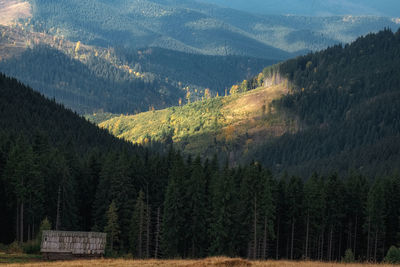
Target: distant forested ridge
<point x="123" y="80"/>
<point x="195" y="27"/>
<point x="315" y="8"/>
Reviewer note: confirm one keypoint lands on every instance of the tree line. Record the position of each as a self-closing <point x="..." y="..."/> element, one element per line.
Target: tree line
<point x="171" y="206"/>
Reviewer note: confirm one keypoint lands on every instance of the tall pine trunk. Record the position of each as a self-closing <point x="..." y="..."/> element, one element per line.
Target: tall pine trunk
<point x="355" y="237"/>
<point x="22" y="223"/>
<point x="330" y="244"/>
<point x="17" y="224"/>
<point x="376" y="244"/>
<point x="255" y="230"/>
<point x="322" y="245"/>
<point x="148" y="231"/>
<point x="369" y="229"/>
<point x="340" y="243"/>
<point x="264" y="247"/>
<point x="58" y="208"/>
<point x="277" y="238"/>
<point x="307" y="233"/>
<point x="140" y="241"/>
<point x="157" y="234"/>
<point x="147" y="223"/>
<point x="291" y="245"/>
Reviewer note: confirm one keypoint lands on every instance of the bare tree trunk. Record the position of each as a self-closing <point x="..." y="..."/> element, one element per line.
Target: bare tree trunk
<point x="255" y="229"/>
<point x="291" y="246"/>
<point x="157" y="233"/>
<point x="287" y="246"/>
<point x="307" y="233"/>
<point x="383" y="244"/>
<point x="147" y="224"/>
<point x="349" y="236"/>
<point x="322" y="246"/>
<point x="277" y="238"/>
<point x="29" y="233"/>
<point x="355" y="237"/>
<point x="340" y="244"/>
<point x="22" y="223"/>
<point x="376" y="244"/>
<point x="58" y="208"/>
<point x="112" y="241"/>
<point x="369" y="228"/>
<point x="264" y="247"/>
<point x="17" y="224"/>
<point x="330" y="244"/>
<point x="140" y="241"/>
<point x="29" y="237"/>
<point x="33" y="227"/>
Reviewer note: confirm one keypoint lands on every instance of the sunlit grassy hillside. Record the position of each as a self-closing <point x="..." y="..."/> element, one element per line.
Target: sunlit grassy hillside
<point x="220" y="124"/>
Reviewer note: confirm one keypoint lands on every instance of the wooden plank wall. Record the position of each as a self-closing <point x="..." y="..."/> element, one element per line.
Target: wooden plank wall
<point x="84" y="243"/>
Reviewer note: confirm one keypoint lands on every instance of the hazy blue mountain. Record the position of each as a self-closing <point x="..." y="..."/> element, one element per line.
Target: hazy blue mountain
<point x="389" y="8"/>
<point x="191" y="26"/>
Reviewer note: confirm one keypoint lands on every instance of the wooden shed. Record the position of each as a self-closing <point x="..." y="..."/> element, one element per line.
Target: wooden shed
<point x="70" y="245"/>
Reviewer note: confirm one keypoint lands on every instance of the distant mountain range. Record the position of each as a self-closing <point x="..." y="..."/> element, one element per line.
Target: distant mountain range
<point x="390" y="8"/>
<point x="191" y="26"/>
<point x="131" y="56"/>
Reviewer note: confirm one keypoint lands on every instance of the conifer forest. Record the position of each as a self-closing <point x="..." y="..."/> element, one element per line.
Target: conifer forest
<point x="146" y="120"/>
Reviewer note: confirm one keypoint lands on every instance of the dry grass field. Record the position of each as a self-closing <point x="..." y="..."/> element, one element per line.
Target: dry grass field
<point x="216" y="262"/>
<point x="11" y="10"/>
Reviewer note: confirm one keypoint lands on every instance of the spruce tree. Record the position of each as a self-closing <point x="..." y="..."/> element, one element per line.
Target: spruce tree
<point x="112" y="227"/>
<point x="268" y="207"/>
<point x="137" y="235"/>
<point x="197" y="201"/>
<point x="174" y="238"/>
<point x="225" y="224"/>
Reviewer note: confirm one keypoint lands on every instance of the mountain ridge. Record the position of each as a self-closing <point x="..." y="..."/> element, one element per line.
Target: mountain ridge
<point x="316" y="112"/>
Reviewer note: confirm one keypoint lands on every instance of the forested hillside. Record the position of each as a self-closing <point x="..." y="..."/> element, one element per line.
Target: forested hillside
<point x="346" y="99"/>
<point x="56" y="165"/>
<point x="315" y="8"/>
<point x="338" y="113"/>
<point x="120" y="80"/>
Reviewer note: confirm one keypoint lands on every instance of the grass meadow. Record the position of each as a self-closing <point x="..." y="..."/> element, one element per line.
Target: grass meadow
<point x="214" y="262"/>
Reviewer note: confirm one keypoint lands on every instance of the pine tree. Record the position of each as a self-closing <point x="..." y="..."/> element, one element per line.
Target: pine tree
<point x="314" y="205"/>
<point x="138" y="227"/>
<point x="224" y="226"/>
<point x="112" y="227"/>
<point x="268" y="207"/>
<point x="21" y="173"/>
<point x="375" y="218"/>
<point x="295" y="201"/>
<point x="174" y="238"/>
<point x="249" y="208"/>
<point x="197" y="201"/>
<point x="334" y="190"/>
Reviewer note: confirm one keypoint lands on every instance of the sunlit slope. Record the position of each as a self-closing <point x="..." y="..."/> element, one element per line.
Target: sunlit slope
<point x="12" y="10"/>
<point x="219" y="124"/>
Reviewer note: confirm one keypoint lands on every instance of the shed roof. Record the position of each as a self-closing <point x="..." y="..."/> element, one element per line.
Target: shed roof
<point x="73" y="242"/>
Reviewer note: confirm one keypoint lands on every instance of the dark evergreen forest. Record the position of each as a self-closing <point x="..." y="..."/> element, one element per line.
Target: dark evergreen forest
<point x="346" y="99"/>
<point x="55" y="164"/>
<point x="154" y="202"/>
